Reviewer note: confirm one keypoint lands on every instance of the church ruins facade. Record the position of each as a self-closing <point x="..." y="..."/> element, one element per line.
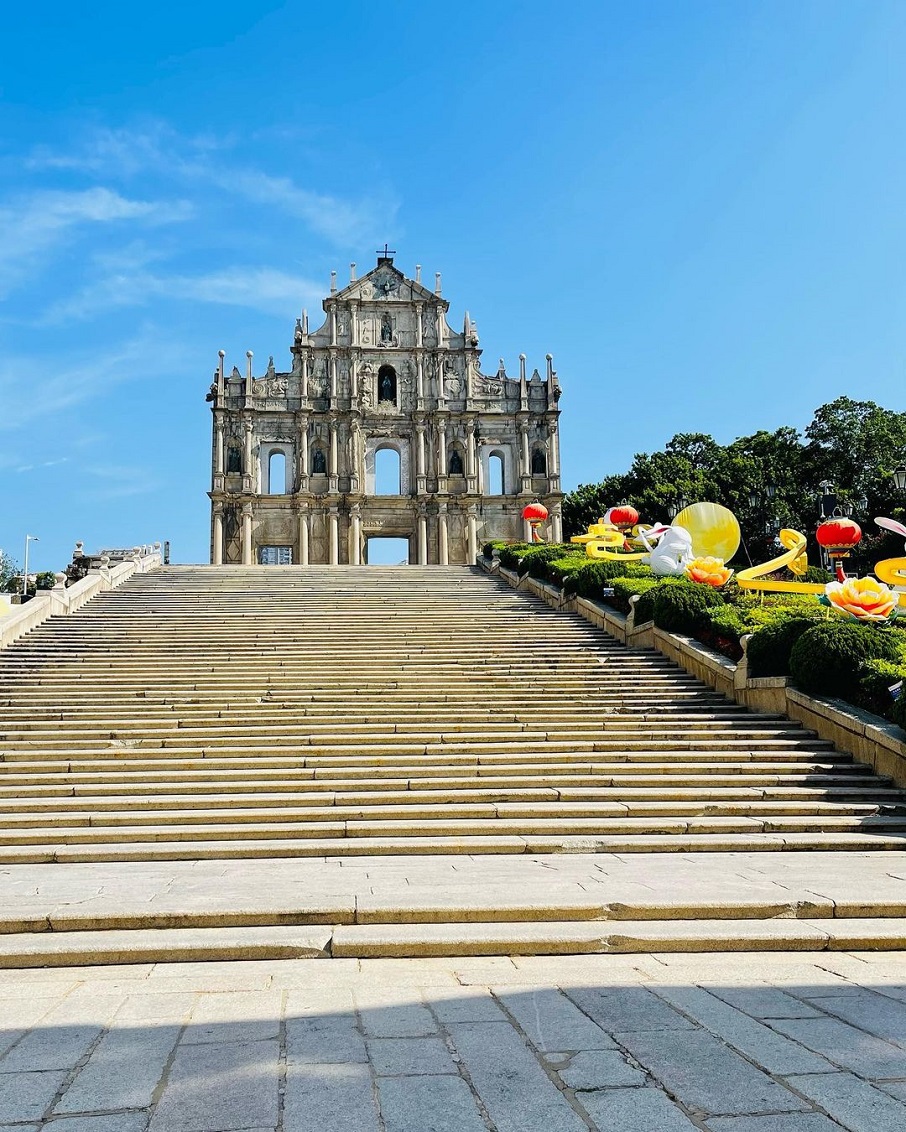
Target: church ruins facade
<point x="295" y="454"/>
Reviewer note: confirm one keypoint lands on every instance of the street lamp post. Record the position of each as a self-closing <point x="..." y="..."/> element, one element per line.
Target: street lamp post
<point x="28" y="539"/>
<point x="899" y="477"/>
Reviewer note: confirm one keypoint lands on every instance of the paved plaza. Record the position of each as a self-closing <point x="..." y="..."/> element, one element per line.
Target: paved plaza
<point x="656" y="1043"/>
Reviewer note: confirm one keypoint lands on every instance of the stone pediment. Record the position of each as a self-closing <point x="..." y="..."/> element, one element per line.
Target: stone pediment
<point x="386" y="283"/>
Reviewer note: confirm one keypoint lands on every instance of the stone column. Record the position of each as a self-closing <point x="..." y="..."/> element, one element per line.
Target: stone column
<point x="303" y="455"/>
<point x="305" y="360"/>
<point x="443" y="536"/>
<point x="420" y="472"/>
<point x="471" y="457"/>
<point x="355" y="535"/>
<point x="247" y="548"/>
<point x="333" y="324"/>
<point x="556" y="525"/>
<point x="354" y="323"/>
<point x="332" y="467"/>
<point x="526" y="531"/>
<point x="304" y="535"/>
<point x="248" y="479"/>
<point x="422" y="535"/>
<point x="419" y="332"/>
<point x="334" y="537"/>
<point x="473" y="534"/>
<point x="553" y="469"/>
<point x="217" y="540"/>
<point x="526" y="473"/>
<point x="333" y="378"/>
<point x="442" y="456"/>
<point x="218" y="453"/>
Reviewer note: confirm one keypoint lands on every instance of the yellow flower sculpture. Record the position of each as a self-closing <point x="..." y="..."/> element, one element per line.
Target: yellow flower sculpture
<point x="866" y="599"/>
<point x="710" y="571"/>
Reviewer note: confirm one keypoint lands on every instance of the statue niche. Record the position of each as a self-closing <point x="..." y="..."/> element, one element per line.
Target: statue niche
<point x="318" y="463"/>
<point x="539" y="463"/>
<point x="386" y="380"/>
<point x="456" y="468"/>
<point x="234" y="460"/>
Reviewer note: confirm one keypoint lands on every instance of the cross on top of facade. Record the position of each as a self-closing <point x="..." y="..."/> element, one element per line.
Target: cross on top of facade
<point x="386" y="253"/>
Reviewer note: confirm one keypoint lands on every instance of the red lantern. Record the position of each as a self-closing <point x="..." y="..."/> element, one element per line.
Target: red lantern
<point x="624" y="517"/>
<point x="838" y="536"/>
<point x="535" y="514"/>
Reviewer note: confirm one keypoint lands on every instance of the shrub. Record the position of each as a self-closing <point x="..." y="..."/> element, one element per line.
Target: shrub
<point x="875" y="680"/>
<point x="494" y="545"/>
<point x="596" y="573"/>
<point x="818" y="575"/>
<point x="511" y="554"/>
<point x="560" y="568"/>
<point x="625" y="587"/>
<point x="769" y="649"/>
<point x="536" y="560"/>
<point x="45" y="580"/>
<point x="682" y="608"/>
<point x="825" y="660"/>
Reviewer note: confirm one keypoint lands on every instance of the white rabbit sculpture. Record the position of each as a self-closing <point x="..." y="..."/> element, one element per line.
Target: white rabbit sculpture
<point x="672" y="551"/>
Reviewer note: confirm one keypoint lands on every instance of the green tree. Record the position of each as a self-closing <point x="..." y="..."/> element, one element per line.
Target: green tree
<point x="9" y="571"/>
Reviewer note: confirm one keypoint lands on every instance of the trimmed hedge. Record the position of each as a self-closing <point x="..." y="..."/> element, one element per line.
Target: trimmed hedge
<point x="511" y="554"/>
<point x="683" y="608"/>
<point x="769" y="649"/>
<point x="875" y="680"/>
<point x="596" y="573"/>
<point x="826" y="659"/>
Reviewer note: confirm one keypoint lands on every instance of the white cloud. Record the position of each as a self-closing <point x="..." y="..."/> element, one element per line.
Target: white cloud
<point x="32" y="225"/>
<point x="199" y="160"/>
<point x="118" y="481"/>
<point x="256" y="288"/>
<point x="42" y="464"/>
<point x="58" y="385"/>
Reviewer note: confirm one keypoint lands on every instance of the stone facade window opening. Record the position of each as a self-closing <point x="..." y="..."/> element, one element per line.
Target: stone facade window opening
<point x="495" y="474"/>
<point x="386" y="551"/>
<point x="275" y="555"/>
<point x="234" y="460"/>
<point x="318" y="462"/>
<point x="388" y="478"/>
<point x="386" y="384"/>
<point x="455" y="463"/>
<point x="276" y="473"/>
<point x="539" y="462"/>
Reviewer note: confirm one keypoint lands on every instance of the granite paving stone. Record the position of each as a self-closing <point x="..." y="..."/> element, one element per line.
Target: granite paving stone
<point x="845" y="1046"/>
<point x="27" y="1095"/>
<point x="517" y="1092"/>
<point x="551" y="1021"/>
<point x="108" y="1122"/>
<point x="764" y="1002"/>
<point x="600" y="1069"/>
<point x="784" y="1122"/>
<point x="226" y="1087"/>
<point x="429" y="1104"/>
<point x="635" y="1110"/>
<point x="627" y="1009"/>
<point x="872" y="1012"/>
<point x="330" y="1098"/>
<point x="395" y="1057"/>
<point x="706" y="1076"/>
<point x="853" y="1103"/>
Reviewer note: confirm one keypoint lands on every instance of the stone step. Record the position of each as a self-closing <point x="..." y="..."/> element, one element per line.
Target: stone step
<point x="173" y="945"/>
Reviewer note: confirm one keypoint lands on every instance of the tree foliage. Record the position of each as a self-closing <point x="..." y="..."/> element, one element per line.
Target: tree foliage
<point x="9" y="570"/>
<point x="853" y="444"/>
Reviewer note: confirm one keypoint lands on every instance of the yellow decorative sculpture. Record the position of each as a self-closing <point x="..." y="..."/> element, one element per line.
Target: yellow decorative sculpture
<point x="602" y="541"/>
<point x="893" y="570"/>
<point x="793" y="557"/>
<point x="714" y="529"/>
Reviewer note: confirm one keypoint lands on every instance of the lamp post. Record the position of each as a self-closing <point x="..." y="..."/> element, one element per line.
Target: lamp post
<point x="899" y="477"/>
<point x="28" y="539"/>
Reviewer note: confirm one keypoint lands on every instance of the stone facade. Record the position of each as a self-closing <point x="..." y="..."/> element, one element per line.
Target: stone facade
<point x="293" y="454"/>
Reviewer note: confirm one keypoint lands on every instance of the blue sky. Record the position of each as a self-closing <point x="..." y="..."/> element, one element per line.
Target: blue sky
<point x="697" y="208"/>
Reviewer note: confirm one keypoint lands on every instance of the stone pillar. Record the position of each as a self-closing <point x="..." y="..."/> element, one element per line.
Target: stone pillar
<point x="526" y="531"/>
<point x="473" y="535"/>
<point x="334" y="537"/>
<point x="471" y="458"/>
<point x="422" y="535"/>
<point x="419" y="329"/>
<point x="332" y="467"/>
<point x="442" y="456"/>
<point x="304" y="534"/>
<point x="420" y="472"/>
<point x="248" y="479"/>
<point x="420" y="379"/>
<point x="218" y="447"/>
<point x="333" y="378"/>
<point x="304" y="390"/>
<point x="355" y="535"/>
<point x="303" y="455"/>
<point x="354" y="324"/>
<point x="333" y="324"/>
<point x="553" y="468"/>
<point x="443" y="536"/>
<point x="526" y="473"/>
<point x="556" y="525"/>
<point x="247" y="548"/>
<point x="217" y="539"/>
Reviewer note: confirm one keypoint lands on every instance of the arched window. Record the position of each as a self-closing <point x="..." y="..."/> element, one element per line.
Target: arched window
<point x="456" y="468"/>
<point x="276" y="473"/>
<point x="495" y="475"/>
<point x="318" y="463"/>
<point x="386" y="383"/>
<point x="387" y="472"/>
<point x="539" y="462"/>
<point x="234" y="459"/>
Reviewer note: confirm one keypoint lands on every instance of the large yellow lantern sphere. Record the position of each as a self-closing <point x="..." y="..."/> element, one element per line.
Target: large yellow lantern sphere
<point x="714" y="529"/>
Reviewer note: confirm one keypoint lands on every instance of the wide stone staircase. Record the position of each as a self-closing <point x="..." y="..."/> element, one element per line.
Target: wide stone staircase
<point x="240" y="712"/>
